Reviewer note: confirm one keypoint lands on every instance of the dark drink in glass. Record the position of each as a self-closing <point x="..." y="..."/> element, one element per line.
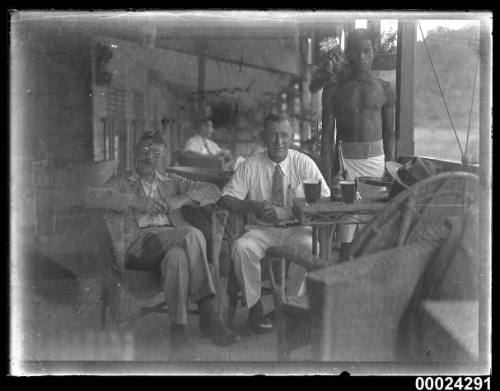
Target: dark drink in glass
<point x="348" y="191"/>
<point x="312" y="190"/>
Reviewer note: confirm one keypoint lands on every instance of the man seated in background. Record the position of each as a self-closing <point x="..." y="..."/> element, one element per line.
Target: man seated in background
<point x="157" y="237"/>
<point x="200" y="146"/>
<point x="265" y="184"/>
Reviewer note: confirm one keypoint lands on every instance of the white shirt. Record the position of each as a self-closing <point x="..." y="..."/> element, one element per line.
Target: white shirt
<point x="201" y="145"/>
<point x="152" y="191"/>
<point x="254" y="177"/>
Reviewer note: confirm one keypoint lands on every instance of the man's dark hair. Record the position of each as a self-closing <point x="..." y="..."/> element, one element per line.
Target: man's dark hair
<point x="154" y="136"/>
<point x="359" y="35"/>
<point x="277" y="118"/>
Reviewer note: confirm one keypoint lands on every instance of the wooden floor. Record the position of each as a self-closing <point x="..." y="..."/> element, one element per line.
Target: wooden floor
<point x="59" y="316"/>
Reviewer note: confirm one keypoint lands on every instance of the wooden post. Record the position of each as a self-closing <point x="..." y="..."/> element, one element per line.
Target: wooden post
<point x="485" y="133"/>
<point x="307" y="59"/>
<point x="201" y="49"/>
<point x="405" y="78"/>
<point x="349" y="25"/>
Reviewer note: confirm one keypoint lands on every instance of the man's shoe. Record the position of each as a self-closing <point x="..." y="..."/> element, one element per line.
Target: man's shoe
<point x="262" y="326"/>
<point x="257" y="322"/>
<point x="220" y="334"/>
<point x="211" y="326"/>
<point x="270" y="316"/>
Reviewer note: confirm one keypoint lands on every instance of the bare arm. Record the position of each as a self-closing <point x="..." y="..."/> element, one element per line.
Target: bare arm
<point x="388" y="123"/>
<point x="328" y="133"/>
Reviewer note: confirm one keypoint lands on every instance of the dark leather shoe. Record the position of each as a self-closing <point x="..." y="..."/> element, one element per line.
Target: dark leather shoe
<point x="262" y="326"/>
<point x="270" y="317"/>
<point x="220" y="334"/>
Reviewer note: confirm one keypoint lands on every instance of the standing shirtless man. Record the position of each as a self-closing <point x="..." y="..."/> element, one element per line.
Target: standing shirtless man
<point x="360" y="107"/>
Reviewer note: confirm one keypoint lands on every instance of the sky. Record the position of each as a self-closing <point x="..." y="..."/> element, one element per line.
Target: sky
<point x="429" y="24"/>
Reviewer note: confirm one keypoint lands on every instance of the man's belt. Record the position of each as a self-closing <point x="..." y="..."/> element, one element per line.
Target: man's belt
<point x="359" y="150"/>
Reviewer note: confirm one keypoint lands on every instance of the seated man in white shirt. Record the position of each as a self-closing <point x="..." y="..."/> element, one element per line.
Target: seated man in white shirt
<point x="201" y="146"/>
<point x="265" y="185"/>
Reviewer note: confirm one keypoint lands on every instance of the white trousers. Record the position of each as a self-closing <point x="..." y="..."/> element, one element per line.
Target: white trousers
<point x="251" y="247"/>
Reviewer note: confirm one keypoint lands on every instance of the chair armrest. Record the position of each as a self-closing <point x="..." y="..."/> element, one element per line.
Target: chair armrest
<point x="211" y="221"/>
<point x="115" y="225"/>
<point x="309" y="262"/>
<point x="235" y="226"/>
<point x="104" y="239"/>
<point x="219" y="220"/>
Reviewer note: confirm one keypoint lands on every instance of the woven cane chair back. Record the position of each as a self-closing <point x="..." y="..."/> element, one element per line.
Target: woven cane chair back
<point x="408" y="217"/>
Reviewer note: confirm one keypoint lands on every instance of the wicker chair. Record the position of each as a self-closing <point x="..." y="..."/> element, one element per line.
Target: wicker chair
<point x="415" y="215"/>
<point x="130" y="294"/>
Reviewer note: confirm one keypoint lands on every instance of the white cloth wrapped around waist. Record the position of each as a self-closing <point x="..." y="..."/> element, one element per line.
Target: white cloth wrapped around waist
<point x="362" y="150"/>
<point x="372" y="166"/>
<point x="357" y="160"/>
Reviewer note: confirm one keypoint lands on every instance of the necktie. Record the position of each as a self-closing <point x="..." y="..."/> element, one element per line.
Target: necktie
<point x="278" y="195"/>
<point x="205" y="143"/>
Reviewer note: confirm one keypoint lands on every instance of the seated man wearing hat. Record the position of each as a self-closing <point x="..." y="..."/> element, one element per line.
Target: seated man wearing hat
<point x="360" y="107"/>
<point x="157" y="237"/>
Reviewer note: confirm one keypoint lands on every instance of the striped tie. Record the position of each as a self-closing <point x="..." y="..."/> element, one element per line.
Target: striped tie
<point x="278" y="195"/>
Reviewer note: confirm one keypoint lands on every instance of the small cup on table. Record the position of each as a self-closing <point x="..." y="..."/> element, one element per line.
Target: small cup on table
<point x="348" y="191"/>
<point x="312" y="190"/>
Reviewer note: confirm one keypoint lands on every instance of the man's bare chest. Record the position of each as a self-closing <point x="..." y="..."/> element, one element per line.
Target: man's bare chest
<point x="359" y="97"/>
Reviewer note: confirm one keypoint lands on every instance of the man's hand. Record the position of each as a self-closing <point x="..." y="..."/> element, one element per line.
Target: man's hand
<point x="271" y="214"/>
<point x="220" y="158"/>
<point x="176" y="202"/>
<point x="152" y="206"/>
<point x="261" y="207"/>
<point x="281" y="213"/>
<point x="386" y="173"/>
<point x="227" y="154"/>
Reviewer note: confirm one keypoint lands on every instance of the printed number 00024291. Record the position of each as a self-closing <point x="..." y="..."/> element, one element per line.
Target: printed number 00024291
<point x="453" y="383"/>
